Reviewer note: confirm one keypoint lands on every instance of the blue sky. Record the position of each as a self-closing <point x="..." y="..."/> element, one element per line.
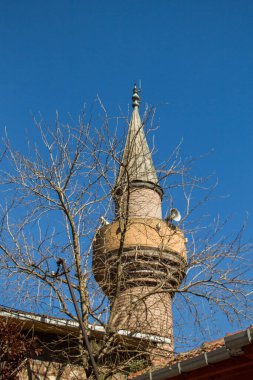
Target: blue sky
<point x="194" y="59"/>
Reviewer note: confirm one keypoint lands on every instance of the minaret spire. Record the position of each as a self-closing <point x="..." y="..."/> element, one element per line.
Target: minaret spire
<point x="137" y="166"/>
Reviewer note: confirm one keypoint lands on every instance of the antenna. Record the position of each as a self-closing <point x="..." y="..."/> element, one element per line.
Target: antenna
<point x="139" y="84"/>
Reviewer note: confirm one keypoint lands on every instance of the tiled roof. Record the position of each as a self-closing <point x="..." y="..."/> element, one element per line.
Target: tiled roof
<point x="209" y="353"/>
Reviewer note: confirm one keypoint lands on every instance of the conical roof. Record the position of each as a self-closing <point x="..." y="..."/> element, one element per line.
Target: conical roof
<point x="136" y="164"/>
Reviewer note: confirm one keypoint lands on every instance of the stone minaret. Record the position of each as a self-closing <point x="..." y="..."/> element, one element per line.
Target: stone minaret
<point x="139" y="259"/>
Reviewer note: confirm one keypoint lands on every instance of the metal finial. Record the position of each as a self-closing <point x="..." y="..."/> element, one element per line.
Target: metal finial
<point x="135" y="97"/>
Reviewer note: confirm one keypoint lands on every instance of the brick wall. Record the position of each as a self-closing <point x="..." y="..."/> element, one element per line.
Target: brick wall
<point x="138" y="312"/>
<point x="142" y="203"/>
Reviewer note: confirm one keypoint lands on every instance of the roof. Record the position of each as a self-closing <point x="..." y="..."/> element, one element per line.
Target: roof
<point x="55" y="325"/>
<point x="136" y="164"/>
<point x="226" y="358"/>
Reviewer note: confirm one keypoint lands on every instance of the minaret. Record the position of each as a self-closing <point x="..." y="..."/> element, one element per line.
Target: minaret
<point x="139" y="259"/>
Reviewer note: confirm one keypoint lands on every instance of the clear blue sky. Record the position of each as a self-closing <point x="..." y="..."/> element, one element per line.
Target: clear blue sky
<point x="194" y="59"/>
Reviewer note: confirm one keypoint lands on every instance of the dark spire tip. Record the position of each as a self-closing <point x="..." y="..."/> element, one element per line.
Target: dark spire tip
<point x="135" y="97"/>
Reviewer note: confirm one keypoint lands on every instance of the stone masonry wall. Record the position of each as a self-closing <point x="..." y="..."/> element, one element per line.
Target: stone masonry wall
<point x="45" y="370"/>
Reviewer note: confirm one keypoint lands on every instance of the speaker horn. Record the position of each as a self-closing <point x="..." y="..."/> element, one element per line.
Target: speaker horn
<point x="175" y="215"/>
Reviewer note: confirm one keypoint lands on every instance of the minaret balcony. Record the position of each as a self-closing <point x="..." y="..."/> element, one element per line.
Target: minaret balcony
<point x="149" y="251"/>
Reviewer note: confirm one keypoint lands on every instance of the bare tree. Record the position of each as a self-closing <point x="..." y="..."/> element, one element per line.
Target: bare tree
<point x="53" y="197"/>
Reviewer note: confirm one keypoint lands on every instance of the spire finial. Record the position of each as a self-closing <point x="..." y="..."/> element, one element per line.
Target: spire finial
<point x="135" y="97"/>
